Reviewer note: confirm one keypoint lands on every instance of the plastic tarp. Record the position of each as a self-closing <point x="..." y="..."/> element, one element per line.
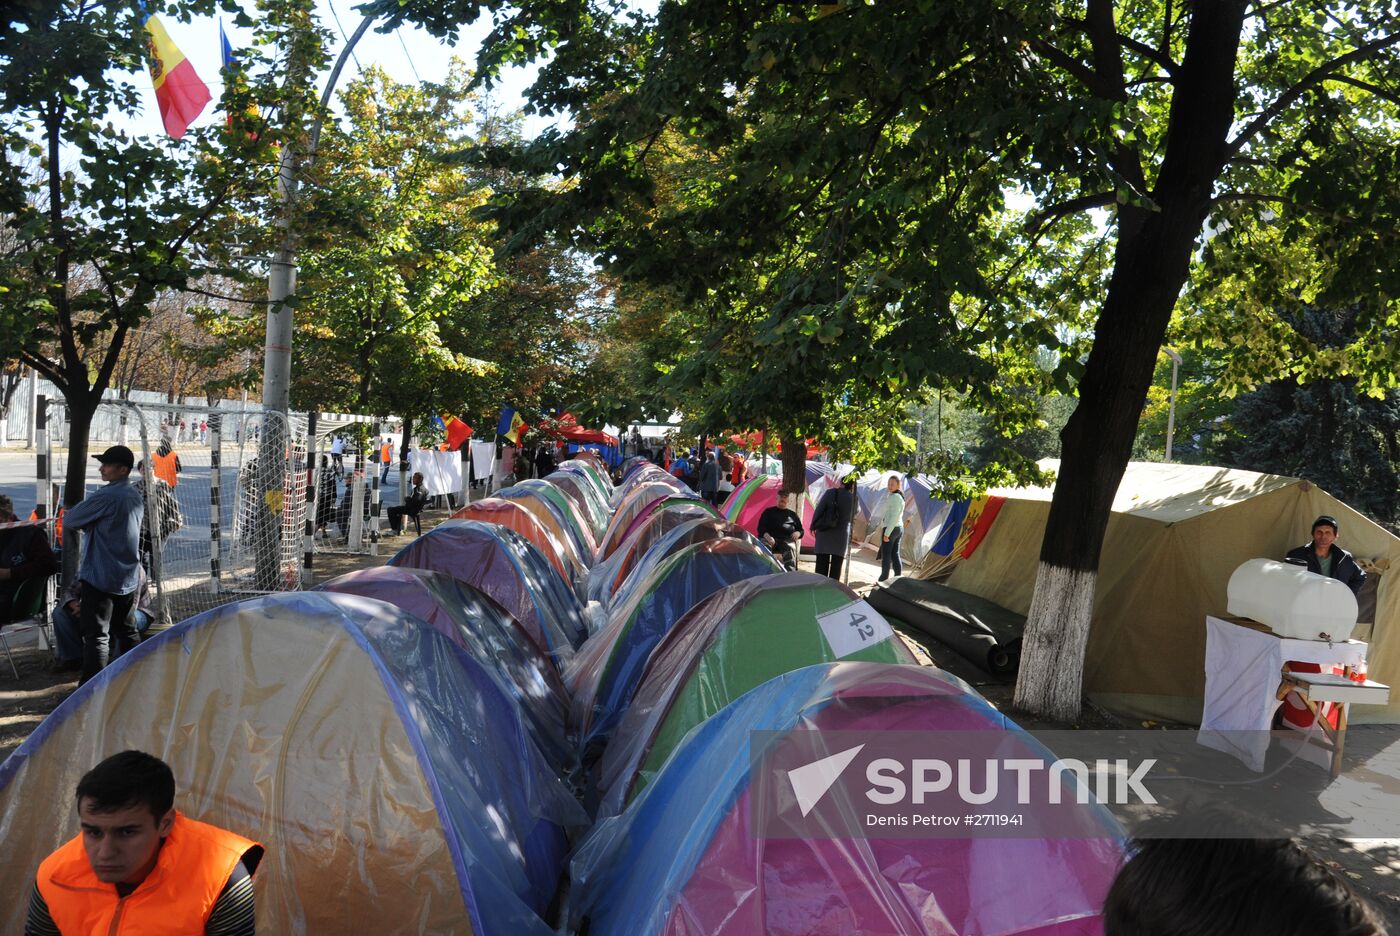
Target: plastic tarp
<point x="685" y="859"/>
<point x="485" y="630"/>
<point x="925" y="519"/>
<point x="733" y="641"/>
<point x="552" y="542"/>
<point x="573" y="523"/>
<point x="590" y="506"/>
<point x="595" y="472"/>
<point x="605" y="673"/>
<point x="552" y="519"/>
<point x="687" y="534"/>
<point x="634" y="464"/>
<point x="636" y="503"/>
<point x="647" y="473"/>
<point x="503" y="564"/>
<point x="393" y="783"/>
<point x="607" y="575"/>
<point x="754" y="496"/>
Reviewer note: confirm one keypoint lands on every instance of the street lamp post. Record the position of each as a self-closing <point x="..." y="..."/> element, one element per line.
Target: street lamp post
<point x="1171" y="407"/>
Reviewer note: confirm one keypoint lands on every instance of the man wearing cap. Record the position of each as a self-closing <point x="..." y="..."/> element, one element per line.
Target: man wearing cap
<point x="1325" y="557"/>
<point x="111" y="517"/>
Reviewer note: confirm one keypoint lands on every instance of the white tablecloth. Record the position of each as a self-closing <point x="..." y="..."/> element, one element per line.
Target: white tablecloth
<point x="1243" y="668"/>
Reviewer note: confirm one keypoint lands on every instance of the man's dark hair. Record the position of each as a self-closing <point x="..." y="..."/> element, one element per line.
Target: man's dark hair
<point x="783" y="492"/>
<point x="128" y="779"/>
<point x="1325" y="520"/>
<point x="1232" y="887"/>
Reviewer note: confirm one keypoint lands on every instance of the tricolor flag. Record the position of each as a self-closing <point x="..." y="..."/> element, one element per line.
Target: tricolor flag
<point x="457" y="431"/>
<point x="179" y="91"/>
<point x="511" y="426"/>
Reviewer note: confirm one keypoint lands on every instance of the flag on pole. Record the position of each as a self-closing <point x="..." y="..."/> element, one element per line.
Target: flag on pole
<point x="226" y="49"/>
<point x="512" y="425"/>
<point x="179" y="91"/>
<point x="457" y="431"/>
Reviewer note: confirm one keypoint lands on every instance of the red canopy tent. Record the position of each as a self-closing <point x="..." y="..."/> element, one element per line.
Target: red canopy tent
<point x="566" y="428"/>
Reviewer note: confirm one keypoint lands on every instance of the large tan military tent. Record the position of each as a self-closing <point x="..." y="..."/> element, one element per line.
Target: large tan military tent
<point x="1176" y="534"/>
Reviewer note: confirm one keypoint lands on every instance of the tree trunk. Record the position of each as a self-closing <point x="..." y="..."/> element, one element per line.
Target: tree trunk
<point x="404" y="444"/>
<point x="82" y="406"/>
<point x="1151" y="263"/>
<point x="794" y="462"/>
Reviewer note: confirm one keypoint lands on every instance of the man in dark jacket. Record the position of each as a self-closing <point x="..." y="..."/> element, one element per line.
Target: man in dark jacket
<point x="781" y="529"/>
<point x="24" y="554"/>
<point x="1325" y="557"/>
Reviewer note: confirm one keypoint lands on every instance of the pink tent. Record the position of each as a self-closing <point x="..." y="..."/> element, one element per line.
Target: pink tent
<point x="756" y="495"/>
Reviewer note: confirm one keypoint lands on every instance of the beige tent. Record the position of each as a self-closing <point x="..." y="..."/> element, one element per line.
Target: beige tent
<point x="1176" y="534"/>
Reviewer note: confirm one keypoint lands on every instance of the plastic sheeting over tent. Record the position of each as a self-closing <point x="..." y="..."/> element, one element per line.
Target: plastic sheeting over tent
<point x="605" y="673"/>
<point x="392" y="781"/>
<point x="638" y="502"/>
<point x="733" y="641"/>
<point x="677" y="539"/>
<point x="484" y="629"/>
<point x="1175" y="534"/>
<point x="647" y="473"/>
<point x="503" y="564"/>
<point x="574" y="523"/>
<point x="594" y="471"/>
<point x="586" y="500"/>
<point x="754" y="496"/>
<point x="607" y="575"/>
<point x="553" y="543"/>
<point x="685" y="859"/>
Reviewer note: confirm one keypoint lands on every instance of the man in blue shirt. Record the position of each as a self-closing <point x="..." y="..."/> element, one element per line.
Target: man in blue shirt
<point x="111" y="519"/>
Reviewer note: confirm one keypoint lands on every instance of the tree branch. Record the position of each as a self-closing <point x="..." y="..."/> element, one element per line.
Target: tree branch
<point x="44" y="366"/>
<point x="1311" y="79"/>
<point x="1382" y="93"/>
<point x="1037" y="221"/>
<point x="1248" y="197"/>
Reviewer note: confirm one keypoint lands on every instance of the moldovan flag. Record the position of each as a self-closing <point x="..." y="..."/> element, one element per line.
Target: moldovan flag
<point x="458" y="432"/>
<point x="180" y="92"/>
<point x="512" y="425"/>
<point x="979" y="519"/>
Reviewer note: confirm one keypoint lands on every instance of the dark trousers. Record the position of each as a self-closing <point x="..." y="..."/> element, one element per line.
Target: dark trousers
<point x="104" y="619"/>
<point x="786" y="553"/>
<point x="396" y="515"/>
<point x="889" y="554"/>
<point x="830" y="565"/>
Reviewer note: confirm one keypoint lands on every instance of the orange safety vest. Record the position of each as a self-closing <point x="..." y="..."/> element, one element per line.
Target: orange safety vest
<point x="57" y="525"/>
<point x="385" y="453"/>
<point x="177" y="897"/>
<point x="164" y="468"/>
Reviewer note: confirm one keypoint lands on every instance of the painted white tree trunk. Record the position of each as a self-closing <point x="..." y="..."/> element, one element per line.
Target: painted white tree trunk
<point x="1051" y="678"/>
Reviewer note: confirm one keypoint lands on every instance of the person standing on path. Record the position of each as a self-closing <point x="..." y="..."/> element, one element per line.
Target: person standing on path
<point x="892" y="530"/>
<point x="110" y="570"/>
<point x="709" y="479"/>
<point x="831" y="524"/>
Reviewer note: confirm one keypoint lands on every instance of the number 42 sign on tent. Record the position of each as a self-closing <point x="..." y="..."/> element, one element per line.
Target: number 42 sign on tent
<point x="854" y="627"/>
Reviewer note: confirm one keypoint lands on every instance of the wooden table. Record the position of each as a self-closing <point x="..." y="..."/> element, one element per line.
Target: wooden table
<point x="1314" y="688"/>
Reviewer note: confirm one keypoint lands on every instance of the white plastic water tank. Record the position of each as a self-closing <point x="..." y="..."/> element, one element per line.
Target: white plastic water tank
<point x="1292" y="601"/>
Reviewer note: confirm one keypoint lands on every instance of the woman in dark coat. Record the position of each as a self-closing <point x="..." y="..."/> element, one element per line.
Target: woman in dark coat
<point x="831" y="527"/>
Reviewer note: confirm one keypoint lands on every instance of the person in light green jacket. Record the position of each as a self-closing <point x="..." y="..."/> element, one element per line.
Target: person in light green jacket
<point x="891" y="530"/>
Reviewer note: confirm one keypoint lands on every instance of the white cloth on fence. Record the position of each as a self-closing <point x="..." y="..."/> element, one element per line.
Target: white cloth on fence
<point x="442" y="471"/>
<point x="483" y="459"/>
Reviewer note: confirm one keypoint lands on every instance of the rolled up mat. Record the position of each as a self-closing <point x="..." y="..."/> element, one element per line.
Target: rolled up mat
<point x="985" y="633"/>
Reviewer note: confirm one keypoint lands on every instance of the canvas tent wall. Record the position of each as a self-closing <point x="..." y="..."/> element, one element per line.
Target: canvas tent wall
<point x="1175" y="535"/>
<point x="332" y="729"/>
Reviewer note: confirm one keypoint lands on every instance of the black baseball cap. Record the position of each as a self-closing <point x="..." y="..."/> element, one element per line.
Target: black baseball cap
<point x="1325" y="520"/>
<point x="117" y="455"/>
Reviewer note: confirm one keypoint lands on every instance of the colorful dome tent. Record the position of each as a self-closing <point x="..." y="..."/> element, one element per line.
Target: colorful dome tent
<point x="484" y="629"/>
<point x="647" y="473"/>
<point x="754" y="496"/>
<point x="685" y="857"/>
<point x="638" y="503"/>
<point x="607" y="575"/>
<point x="592" y="507"/>
<point x="553" y="543"/>
<point x="735" y="640"/>
<point x="633" y="465"/>
<point x="1146" y="652"/>
<point x="605" y="673"/>
<point x="502" y="564"/>
<point x="685" y="535"/>
<point x="391" y="779"/>
<point x="573" y="522"/>
<point x="594" y="471"/>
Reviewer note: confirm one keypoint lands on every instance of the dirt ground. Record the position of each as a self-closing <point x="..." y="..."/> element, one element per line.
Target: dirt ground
<point x="1372" y="866"/>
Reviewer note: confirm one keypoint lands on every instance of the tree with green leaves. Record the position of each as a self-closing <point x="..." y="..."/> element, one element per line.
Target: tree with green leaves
<point x="104" y="220"/>
<point x="906" y="194"/>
